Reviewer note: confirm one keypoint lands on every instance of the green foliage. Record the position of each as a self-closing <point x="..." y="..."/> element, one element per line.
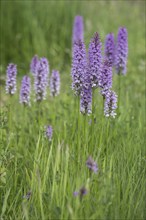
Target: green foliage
<point x="52" y="171"/>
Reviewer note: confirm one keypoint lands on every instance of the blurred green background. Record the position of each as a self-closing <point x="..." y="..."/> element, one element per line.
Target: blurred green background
<point x="45" y="28"/>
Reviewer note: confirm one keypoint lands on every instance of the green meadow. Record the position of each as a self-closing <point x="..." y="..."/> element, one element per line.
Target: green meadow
<point x="51" y="171"/>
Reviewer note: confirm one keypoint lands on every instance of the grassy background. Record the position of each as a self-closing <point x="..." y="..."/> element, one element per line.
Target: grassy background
<point x="53" y="171"/>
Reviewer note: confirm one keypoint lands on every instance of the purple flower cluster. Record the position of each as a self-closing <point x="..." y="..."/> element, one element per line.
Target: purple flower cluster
<point x="78" y="29"/>
<point x="25" y="91"/>
<point x="49" y="132"/>
<point x="95" y="59"/>
<point x="121" y="51"/>
<point x="91" y="164"/>
<point x="87" y="72"/>
<point x="105" y="81"/>
<point x="110" y="48"/>
<point x="110" y="104"/>
<point x="92" y="72"/>
<point x="33" y="65"/>
<point x="41" y="79"/>
<point x="79" y="65"/>
<point x="11" y="79"/>
<point x="55" y="83"/>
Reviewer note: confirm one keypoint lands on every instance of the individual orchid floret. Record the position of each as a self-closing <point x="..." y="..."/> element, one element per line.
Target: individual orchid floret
<point x="78" y="29"/>
<point x="33" y="65"/>
<point x="49" y="132"/>
<point x="55" y="83"/>
<point x="41" y="79"/>
<point x="25" y="91"/>
<point x="95" y="59"/>
<point x="79" y="64"/>
<point x="11" y="79"/>
<point x="91" y="164"/>
<point x="110" y="48"/>
<point x="105" y="81"/>
<point x="121" y="53"/>
<point x="110" y="104"/>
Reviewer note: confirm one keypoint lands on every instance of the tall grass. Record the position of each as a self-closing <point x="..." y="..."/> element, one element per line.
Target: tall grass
<point x="52" y="171"/>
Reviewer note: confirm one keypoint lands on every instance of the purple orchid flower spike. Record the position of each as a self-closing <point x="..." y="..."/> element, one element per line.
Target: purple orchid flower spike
<point x="79" y="64"/>
<point x="95" y="60"/>
<point x="55" y="83"/>
<point x="41" y="79"/>
<point x="49" y="132"/>
<point x="78" y="29"/>
<point x="11" y="79"/>
<point x="105" y="81"/>
<point x="91" y="164"/>
<point x="110" y="104"/>
<point x="110" y="48"/>
<point x="33" y="65"/>
<point x="86" y="94"/>
<point x="121" y="53"/>
<point x="25" y="91"/>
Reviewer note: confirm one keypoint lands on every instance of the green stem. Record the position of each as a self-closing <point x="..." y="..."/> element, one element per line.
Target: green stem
<point x="39" y="113"/>
<point x="84" y="135"/>
<point x="107" y="130"/>
<point x="78" y="126"/>
<point x="107" y="138"/>
<point x="54" y="113"/>
<point x="25" y="119"/>
<point x="119" y="94"/>
<point x="10" y="115"/>
<point x="102" y="125"/>
<point x="92" y="120"/>
<point x="74" y="119"/>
